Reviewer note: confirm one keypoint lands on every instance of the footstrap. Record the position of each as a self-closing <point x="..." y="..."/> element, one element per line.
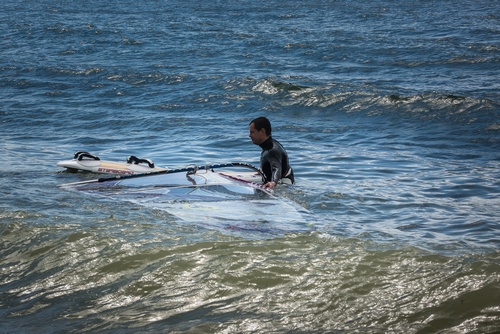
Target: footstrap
<point x="135" y="160"/>
<point x="80" y="155"/>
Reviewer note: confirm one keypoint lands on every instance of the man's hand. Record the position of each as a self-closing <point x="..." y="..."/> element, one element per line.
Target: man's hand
<point x="270" y="185"/>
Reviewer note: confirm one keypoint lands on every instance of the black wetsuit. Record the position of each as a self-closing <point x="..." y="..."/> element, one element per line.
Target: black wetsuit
<point x="274" y="162"/>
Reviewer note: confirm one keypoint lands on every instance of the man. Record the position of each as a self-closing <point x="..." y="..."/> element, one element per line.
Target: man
<point x="273" y="159"/>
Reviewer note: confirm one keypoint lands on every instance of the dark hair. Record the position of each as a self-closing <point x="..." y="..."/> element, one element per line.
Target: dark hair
<point x="262" y="123"/>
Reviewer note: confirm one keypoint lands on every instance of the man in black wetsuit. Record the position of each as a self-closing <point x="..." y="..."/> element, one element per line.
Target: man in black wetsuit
<point x="273" y="159"/>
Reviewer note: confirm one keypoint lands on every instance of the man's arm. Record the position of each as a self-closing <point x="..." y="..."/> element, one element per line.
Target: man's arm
<point x="274" y="158"/>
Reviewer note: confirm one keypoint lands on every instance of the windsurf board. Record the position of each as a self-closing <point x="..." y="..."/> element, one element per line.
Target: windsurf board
<point x="84" y="161"/>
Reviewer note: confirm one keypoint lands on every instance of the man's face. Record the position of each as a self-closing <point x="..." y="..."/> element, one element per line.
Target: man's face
<point x="257" y="136"/>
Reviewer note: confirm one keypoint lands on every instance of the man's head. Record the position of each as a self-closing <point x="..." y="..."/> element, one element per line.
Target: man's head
<point x="260" y="130"/>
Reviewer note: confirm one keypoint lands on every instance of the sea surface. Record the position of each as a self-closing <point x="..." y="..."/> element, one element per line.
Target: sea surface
<point x="390" y="113"/>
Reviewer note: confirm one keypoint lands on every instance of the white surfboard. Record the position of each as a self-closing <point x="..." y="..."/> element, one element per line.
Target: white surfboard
<point x="84" y="161"/>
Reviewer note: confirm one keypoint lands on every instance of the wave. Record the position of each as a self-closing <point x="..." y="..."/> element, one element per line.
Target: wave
<point x="365" y="99"/>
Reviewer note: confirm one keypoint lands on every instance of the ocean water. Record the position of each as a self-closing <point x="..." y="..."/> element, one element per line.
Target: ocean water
<point x="389" y="111"/>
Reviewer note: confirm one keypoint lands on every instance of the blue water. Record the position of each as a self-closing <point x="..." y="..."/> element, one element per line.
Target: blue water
<point x="389" y="111"/>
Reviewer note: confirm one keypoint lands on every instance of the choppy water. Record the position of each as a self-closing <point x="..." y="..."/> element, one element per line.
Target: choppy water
<point x="389" y="111"/>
